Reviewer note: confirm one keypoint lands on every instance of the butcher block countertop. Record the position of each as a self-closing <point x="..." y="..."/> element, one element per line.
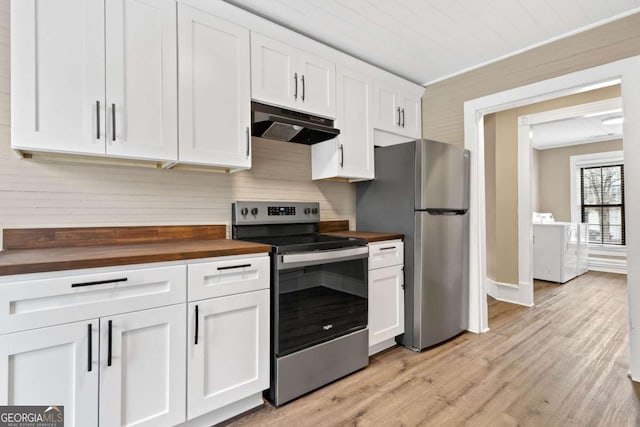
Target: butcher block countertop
<point x="341" y="228"/>
<point x="41" y="250"/>
<point x="370" y="237"/>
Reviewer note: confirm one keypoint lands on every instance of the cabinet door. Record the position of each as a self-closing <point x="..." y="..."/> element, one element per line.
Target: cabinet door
<point x="386" y="108"/>
<point x="142" y="100"/>
<point x="215" y="90"/>
<point x="355" y="104"/>
<point x="274" y="78"/>
<point x="142" y="383"/>
<point x="228" y="351"/>
<point x="58" y="75"/>
<point x="317" y="85"/>
<point x="410" y="124"/>
<point x="386" y="303"/>
<point x="53" y="366"/>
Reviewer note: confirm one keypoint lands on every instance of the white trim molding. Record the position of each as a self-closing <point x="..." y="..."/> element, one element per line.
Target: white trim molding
<point x="627" y="73"/>
<point x="521" y="294"/>
<point x="609" y="265"/>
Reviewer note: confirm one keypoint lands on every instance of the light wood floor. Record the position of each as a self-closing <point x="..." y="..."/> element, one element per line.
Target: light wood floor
<point x="561" y="363"/>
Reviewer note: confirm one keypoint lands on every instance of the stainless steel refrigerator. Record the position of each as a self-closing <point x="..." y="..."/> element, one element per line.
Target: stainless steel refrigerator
<point x="422" y="190"/>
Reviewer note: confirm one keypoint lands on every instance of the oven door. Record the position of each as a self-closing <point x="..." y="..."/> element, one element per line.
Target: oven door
<point x="321" y="295"/>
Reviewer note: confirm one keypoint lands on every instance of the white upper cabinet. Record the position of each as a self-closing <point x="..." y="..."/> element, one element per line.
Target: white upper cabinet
<point x="142" y="98"/>
<point x="411" y="115"/>
<point x="396" y="111"/>
<point x="285" y="76"/>
<point x="317" y="84"/>
<point x="350" y="155"/>
<point x="95" y="77"/>
<point x="386" y="108"/>
<point x="215" y="91"/>
<point x="274" y="78"/>
<point x="58" y="75"/>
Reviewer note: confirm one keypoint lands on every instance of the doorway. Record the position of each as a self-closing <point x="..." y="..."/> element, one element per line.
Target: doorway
<point x="627" y="73"/>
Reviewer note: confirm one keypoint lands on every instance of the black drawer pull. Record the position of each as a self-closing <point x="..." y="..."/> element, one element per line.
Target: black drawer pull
<point x="90" y="348"/>
<point x="110" y="342"/>
<point x="231" y="267"/>
<point x="98" y="118"/>
<point x="99" y="282"/>
<point x="195" y="338"/>
<point x="387" y="248"/>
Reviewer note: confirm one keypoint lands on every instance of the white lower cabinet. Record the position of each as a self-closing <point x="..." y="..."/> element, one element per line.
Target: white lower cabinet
<point x="133" y="374"/>
<point x="386" y="294"/>
<point x="142" y="367"/>
<point x="108" y="344"/>
<point x="53" y="366"/>
<point x="228" y="351"/>
<point x="125" y="346"/>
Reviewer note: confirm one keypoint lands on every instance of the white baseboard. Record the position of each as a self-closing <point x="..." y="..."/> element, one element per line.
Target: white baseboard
<point x="377" y="348"/>
<point x="521" y="294"/>
<point x="226" y="412"/>
<point x="608" y="265"/>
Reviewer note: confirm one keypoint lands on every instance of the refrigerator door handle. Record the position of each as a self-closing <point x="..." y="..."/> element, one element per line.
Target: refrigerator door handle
<point x="446" y="212"/>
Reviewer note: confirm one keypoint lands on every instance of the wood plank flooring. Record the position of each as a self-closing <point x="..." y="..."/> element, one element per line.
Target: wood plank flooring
<point x="561" y="363"/>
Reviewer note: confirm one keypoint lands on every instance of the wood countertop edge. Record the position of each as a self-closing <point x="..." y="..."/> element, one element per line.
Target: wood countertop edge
<point x="369" y="236"/>
<point x="106" y="260"/>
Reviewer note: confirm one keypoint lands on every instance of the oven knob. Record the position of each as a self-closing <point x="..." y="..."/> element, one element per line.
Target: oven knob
<point x="307" y="211"/>
<point x="244" y="211"/>
<point x="254" y="211"/>
<point x="314" y="211"/>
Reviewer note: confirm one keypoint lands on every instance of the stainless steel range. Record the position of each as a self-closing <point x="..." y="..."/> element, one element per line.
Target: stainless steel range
<point x="318" y="296"/>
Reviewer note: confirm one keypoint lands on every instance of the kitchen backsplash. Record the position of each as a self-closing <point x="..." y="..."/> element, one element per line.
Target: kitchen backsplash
<point x="42" y="194"/>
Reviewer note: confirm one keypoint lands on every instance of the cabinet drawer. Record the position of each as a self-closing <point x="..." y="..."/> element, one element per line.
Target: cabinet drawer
<point x="227" y="277"/>
<point x="28" y="304"/>
<point x="386" y="254"/>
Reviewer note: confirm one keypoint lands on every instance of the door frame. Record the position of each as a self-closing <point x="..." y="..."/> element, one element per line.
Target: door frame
<point x="627" y="72"/>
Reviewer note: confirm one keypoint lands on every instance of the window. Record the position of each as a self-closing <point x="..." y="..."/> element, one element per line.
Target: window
<point x="602" y="203"/>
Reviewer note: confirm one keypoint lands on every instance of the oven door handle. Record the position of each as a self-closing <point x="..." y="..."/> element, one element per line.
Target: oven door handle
<point x="335" y="255"/>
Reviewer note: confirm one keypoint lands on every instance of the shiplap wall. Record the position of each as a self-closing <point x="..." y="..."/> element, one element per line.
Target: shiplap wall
<point x="442" y="103"/>
<point x="34" y="194"/>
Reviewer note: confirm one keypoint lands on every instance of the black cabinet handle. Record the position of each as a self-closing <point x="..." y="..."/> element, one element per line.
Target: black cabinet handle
<point x="113" y="122"/>
<point x="231" y="267"/>
<point x="248" y="142"/>
<point x="109" y="345"/>
<point x="295" y="78"/>
<point x="341" y="155"/>
<point x="98" y="119"/>
<point x="387" y="248"/>
<point x="195" y="338"/>
<point x="403" y="117"/>
<point x="98" y="282"/>
<point x="302" y="87"/>
<point x="90" y="349"/>
<point x="398" y="110"/>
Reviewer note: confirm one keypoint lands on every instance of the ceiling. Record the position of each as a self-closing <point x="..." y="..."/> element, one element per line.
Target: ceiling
<point x="576" y="130"/>
<point x="428" y="40"/>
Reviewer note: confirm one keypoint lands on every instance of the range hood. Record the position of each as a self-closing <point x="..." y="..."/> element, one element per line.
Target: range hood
<point x="285" y="125"/>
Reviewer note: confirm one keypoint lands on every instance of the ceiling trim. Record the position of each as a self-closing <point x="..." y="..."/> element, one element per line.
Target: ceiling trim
<point x="536" y="45"/>
<point x="570" y="112"/>
<point x="579" y="142"/>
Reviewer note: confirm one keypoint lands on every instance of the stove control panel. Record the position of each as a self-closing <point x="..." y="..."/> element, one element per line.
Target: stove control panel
<point x="282" y="210"/>
<point x="243" y="213"/>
